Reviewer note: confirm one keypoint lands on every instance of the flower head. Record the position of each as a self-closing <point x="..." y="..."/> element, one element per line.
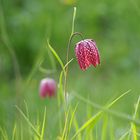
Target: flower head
<point x="87" y="53"/>
<point x="47" y="87"/>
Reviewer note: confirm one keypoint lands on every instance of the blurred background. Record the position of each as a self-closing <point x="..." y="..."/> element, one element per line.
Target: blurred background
<point x="25" y="26"/>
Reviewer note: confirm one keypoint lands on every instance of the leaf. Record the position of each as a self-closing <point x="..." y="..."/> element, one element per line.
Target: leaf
<point x="60" y="82"/>
<point x="71" y="120"/>
<point x="28" y="121"/>
<point x="55" y="54"/>
<point x="73" y="20"/>
<point x="43" y="125"/>
<point x="104" y="127"/>
<point x="134" y="131"/>
<point x="4" y="134"/>
<point x="133" y="126"/>
<point x="14" y="132"/>
<point x="96" y="117"/>
<point x="65" y="126"/>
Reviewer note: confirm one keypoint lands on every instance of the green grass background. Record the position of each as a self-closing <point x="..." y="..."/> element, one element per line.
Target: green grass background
<point x="24" y="27"/>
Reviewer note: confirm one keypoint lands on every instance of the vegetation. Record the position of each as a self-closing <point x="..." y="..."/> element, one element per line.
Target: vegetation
<point x="102" y="103"/>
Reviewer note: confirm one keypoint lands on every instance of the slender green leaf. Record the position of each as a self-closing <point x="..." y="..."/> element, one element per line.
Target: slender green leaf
<point x="71" y="120"/>
<point x="66" y="125"/>
<point x="133" y="126"/>
<point x="96" y="117"/>
<point x="136" y="108"/>
<point x="14" y="132"/>
<point x="43" y="125"/>
<point x="4" y="134"/>
<point x="61" y="96"/>
<point x="134" y="131"/>
<point x="104" y="127"/>
<point x="111" y="128"/>
<point x="120" y="115"/>
<point x="21" y="132"/>
<point x="75" y="122"/>
<point x="124" y="135"/>
<point x="28" y="121"/>
<point x="27" y="110"/>
<point x="55" y="54"/>
<point x="92" y="121"/>
<point x="52" y="59"/>
<point x="73" y="20"/>
<point x="114" y="101"/>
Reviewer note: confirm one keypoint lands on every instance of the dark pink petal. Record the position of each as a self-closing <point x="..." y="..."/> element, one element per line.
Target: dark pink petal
<point x="93" y="53"/>
<point x="87" y="53"/>
<point x="81" y="55"/>
<point x="96" y="50"/>
<point x="47" y="87"/>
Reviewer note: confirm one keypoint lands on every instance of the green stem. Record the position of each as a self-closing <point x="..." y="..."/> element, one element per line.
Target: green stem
<point x="67" y="60"/>
<point x="73" y="20"/>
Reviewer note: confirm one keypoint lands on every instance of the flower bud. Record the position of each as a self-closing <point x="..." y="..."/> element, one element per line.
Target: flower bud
<point x="47" y="87"/>
<point x="87" y="53"/>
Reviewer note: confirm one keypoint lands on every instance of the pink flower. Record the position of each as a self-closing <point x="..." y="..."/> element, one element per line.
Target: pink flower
<point x="47" y="87"/>
<point x="87" y="53"/>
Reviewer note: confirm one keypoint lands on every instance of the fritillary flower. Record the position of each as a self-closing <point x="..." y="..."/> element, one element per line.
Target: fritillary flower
<point x="47" y="87"/>
<point x="87" y="53"/>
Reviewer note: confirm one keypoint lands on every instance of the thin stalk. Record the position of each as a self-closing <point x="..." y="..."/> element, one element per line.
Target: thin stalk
<point x="73" y="20"/>
<point x="67" y="60"/>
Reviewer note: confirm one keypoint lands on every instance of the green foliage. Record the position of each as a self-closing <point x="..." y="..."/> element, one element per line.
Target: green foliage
<point x="90" y="111"/>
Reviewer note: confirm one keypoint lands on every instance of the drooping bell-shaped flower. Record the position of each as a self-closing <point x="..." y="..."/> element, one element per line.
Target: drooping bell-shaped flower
<point x="47" y="87"/>
<point x="87" y="53"/>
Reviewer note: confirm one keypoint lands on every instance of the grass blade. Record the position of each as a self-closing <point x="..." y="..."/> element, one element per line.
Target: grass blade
<point x="133" y="126"/>
<point x="104" y="128"/>
<point x="77" y="127"/>
<point x="27" y="110"/>
<point x="124" y="135"/>
<point x="134" y="131"/>
<point x="14" y="132"/>
<point x="28" y="121"/>
<point x="52" y="59"/>
<point x="96" y="117"/>
<point x="21" y="132"/>
<point x="4" y="134"/>
<point x="73" y="20"/>
<point x="55" y="54"/>
<point x="92" y="121"/>
<point x="120" y="115"/>
<point x="43" y="125"/>
<point x="71" y="120"/>
<point x="136" y="108"/>
<point x="65" y="126"/>
<point x="111" y="128"/>
<point x="114" y="101"/>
